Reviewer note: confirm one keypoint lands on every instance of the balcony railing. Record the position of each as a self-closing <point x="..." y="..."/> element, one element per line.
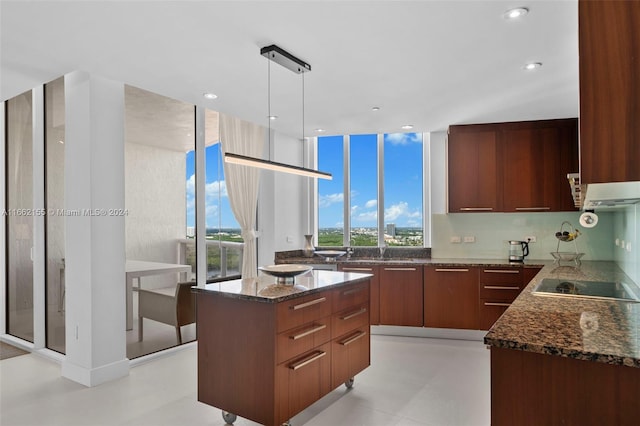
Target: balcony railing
<point x="224" y="258"/>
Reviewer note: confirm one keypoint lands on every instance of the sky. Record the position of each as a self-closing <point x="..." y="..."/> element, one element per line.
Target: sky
<point x="402" y="185"/>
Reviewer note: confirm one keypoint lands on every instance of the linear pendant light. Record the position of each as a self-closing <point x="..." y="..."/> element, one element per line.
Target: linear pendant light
<point x="287" y="60"/>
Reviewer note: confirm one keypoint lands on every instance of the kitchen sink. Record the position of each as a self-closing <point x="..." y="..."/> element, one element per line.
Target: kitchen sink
<point x="586" y="289"/>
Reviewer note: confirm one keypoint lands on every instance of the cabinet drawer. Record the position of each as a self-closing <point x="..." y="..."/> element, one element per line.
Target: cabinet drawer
<point x="349" y="319"/>
<point x="298" y="340"/>
<point x="490" y="311"/>
<point x="350" y="355"/>
<point x="507" y="276"/>
<point x="350" y="296"/>
<point x="298" y="312"/>
<point x="302" y="381"/>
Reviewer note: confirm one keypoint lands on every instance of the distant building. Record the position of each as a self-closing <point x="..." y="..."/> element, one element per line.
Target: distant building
<point x="191" y="231"/>
<point x="391" y="229"/>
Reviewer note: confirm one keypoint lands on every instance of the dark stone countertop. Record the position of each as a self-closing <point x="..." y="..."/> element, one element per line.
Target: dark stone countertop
<point x="264" y="287"/>
<point x="606" y="331"/>
<point x="343" y="260"/>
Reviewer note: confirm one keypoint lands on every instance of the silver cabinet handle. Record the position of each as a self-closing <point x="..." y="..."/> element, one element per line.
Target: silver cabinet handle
<point x="354" y="314"/>
<point x="309" y="303"/>
<point x="502" y="271"/>
<point x="308" y="360"/>
<point x="399" y="269"/>
<point x="358" y="269"/>
<point x="476" y="209"/>
<point x="451" y="270"/>
<point x="352" y="291"/>
<point x="532" y="208"/>
<point x="308" y="332"/>
<point x="496" y="304"/>
<point x="354" y="338"/>
<point x="500" y="287"/>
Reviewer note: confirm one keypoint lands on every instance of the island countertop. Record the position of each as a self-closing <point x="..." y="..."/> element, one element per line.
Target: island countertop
<point x="264" y="288"/>
<point x="606" y="331"/>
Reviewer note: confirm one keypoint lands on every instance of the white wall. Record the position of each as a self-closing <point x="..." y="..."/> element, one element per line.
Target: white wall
<point x="627" y="228"/>
<point x="281" y="221"/>
<point x="155" y="194"/>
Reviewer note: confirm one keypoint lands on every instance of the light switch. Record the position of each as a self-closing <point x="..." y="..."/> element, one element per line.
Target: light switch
<point x="469" y="239"/>
<point x="455" y="239"/>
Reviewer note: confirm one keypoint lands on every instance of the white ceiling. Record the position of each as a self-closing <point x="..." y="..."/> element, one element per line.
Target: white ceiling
<point x="426" y="63"/>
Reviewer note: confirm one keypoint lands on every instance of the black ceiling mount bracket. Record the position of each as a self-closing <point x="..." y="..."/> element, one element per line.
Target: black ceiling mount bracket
<point x="286" y="59"/>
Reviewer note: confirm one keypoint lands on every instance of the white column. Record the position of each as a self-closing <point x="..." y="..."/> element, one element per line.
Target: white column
<point x="39" y="259"/>
<point x="3" y="226"/>
<point x="95" y="241"/>
<point x="201" y="199"/>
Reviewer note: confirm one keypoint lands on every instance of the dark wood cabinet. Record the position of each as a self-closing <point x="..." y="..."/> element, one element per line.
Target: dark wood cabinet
<point x="451" y="297"/>
<point x="401" y="296"/>
<point x="512" y="167"/>
<point x="536" y="159"/>
<point x="374" y="295"/>
<point x="267" y="361"/>
<point x="609" y="90"/>
<point x="498" y="288"/>
<point x="473" y="172"/>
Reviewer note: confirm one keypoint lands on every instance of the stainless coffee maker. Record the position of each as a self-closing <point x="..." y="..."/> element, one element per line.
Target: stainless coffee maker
<point x="518" y="250"/>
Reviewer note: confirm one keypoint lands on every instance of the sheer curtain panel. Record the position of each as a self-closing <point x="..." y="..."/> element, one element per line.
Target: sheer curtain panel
<point x="241" y="137"/>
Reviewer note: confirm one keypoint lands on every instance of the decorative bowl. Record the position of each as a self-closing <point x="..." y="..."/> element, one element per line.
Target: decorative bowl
<point x="285" y="273"/>
<point x="567" y="256"/>
<point x="330" y="255"/>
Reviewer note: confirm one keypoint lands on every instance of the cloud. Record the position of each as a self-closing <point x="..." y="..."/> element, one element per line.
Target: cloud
<point x="403" y="138"/>
<point x="371" y="204"/>
<point x="367" y="216"/>
<point x="399" y="210"/>
<point x="327" y="200"/>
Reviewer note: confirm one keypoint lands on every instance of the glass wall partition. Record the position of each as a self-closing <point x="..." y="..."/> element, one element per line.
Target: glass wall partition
<point x="159" y="135"/>
<point x="20" y="214"/>
<point x="54" y="221"/>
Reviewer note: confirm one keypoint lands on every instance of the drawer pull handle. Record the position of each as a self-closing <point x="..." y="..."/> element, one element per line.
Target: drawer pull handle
<point x="307" y="360"/>
<point x="354" y="314"/>
<point x="352" y="291"/>
<point x="476" y="209"/>
<point x="496" y="304"/>
<point x="502" y="271"/>
<point x="308" y="332"/>
<point x="451" y="270"/>
<point x="532" y="208"/>
<point x="500" y="287"/>
<point x="399" y="269"/>
<point x="353" y="338"/>
<point x="309" y="303"/>
<point x="357" y="269"/>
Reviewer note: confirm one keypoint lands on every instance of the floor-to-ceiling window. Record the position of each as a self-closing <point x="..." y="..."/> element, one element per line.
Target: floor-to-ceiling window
<point x="20" y="215"/>
<point x="399" y="183"/>
<point x="54" y="220"/>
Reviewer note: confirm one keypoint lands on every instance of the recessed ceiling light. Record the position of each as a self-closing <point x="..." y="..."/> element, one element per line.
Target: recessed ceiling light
<point x="407" y="126"/>
<point x="61" y="142"/>
<point x="273" y="117"/>
<point x="532" y="66"/>
<point x="375" y="109"/>
<point x="515" y="13"/>
<point x="320" y="130"/>
<point x="209" y="95"/>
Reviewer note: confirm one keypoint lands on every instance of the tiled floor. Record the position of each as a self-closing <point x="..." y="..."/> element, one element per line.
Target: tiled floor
<point x="411" y="381"/>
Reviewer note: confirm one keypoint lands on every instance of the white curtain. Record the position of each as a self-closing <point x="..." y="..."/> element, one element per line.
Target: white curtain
<point x="241" y="137"/>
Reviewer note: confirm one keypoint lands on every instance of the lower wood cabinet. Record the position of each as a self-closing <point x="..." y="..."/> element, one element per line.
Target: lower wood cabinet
<point x="451" y="297"/>
<point x="267" y="361"/>
<point x="374" y="293"/>
<point x="401" y="296"/>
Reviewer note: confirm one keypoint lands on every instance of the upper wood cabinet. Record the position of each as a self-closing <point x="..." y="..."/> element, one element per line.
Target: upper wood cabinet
<point x="537" y="156"/>
<point x="473" y="169"/>
<point x="609" y="91"/>
<point x="512" y="167"/>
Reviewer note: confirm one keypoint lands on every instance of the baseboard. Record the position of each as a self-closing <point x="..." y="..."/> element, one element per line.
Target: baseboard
<point x="95" y="376"/>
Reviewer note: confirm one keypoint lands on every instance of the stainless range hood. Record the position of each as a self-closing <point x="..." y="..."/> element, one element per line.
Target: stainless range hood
<point x="611" y="195"/>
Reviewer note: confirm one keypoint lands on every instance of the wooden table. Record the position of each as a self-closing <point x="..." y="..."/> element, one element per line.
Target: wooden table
<point x="135" y="269"/>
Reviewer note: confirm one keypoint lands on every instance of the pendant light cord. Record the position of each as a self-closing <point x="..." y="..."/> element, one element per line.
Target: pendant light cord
<point x="269" y="103"/>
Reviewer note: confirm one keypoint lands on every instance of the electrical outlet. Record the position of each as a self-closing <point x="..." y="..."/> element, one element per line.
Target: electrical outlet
<point x="455" y="239"/>
<point x="469" y="239"/>
<point x="531" y="238"/>
<point x="629" y="246"/>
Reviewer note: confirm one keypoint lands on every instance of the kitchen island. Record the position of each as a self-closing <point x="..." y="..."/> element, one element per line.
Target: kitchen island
<point x="267" y="351"/>
<point x="567" y="360"/>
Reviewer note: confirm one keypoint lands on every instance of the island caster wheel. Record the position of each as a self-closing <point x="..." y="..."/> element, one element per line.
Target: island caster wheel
<point x="349" y="383"/>
<point x="229" y="417"/>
